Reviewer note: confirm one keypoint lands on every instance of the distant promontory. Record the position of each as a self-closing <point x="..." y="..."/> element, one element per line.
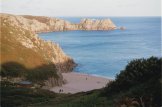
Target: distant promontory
<point x="47" y="24"/>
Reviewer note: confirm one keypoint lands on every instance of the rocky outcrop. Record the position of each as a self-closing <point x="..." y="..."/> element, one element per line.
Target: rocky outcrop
<point x="47" y="24"/>
<point x="19" y="44"/>
<point x="54" y="24"/>
<point x="93" y="24"/>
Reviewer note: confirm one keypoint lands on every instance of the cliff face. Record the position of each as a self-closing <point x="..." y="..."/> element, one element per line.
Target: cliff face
<point x="46" y="24"/>
<point x="19" y="44"/>
<point x="93" y="24"/>
<point x="54" y="24"/>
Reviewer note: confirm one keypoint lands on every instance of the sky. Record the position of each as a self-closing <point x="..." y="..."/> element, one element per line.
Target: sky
<point x="82" y="7"/>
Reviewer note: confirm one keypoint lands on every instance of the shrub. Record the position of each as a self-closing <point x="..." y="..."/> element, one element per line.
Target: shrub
<point x="140" y="78"/>
<point x="12" y="69"/>
<point x="42" y="73"/>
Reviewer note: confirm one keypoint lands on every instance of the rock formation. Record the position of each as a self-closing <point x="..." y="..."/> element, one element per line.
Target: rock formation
<point x="46" y="24"/>
<point x="93" y="24"/>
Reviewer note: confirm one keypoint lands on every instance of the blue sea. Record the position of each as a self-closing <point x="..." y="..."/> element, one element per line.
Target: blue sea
<point x="106" y="53"/>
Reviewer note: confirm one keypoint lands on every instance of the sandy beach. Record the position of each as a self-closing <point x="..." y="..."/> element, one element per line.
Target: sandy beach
<point x="77" y="82"/>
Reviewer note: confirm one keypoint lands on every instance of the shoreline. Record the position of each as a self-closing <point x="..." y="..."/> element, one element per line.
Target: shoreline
<point x="78" y="82"/>
<point x="94" y="75"/>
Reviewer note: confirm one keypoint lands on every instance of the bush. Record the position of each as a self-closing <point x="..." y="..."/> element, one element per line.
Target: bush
<point x="38" y="74"/>
<point x="140" y="78"/>
<point x="42" y="73"/>
<point x="12" y="96"/>
<point x="12" y="69"/>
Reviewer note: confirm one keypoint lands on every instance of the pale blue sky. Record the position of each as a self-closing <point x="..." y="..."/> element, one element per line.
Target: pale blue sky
<point x="82" y="7"/>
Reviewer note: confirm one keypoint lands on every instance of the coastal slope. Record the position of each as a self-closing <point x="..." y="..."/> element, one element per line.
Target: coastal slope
<point x="22" y="50"/>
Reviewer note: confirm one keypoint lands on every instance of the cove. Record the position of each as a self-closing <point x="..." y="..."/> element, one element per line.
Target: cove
<point x="106" y="53"/>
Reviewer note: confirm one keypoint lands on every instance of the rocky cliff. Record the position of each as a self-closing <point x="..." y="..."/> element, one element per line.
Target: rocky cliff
<point x="47" y="24"/>
<point x="93" y="24"/>
<point x="21" y="46"/>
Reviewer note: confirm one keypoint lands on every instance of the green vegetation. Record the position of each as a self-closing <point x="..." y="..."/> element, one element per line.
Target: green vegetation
<point x="140" y="82"/>
<point x="42" y="73"/>
<point x="12" y="70"/>
<point x="12" y="96"/>
<point x="36" y="75"/>
<point x="87" y="99"/>
<point x="138" y="85"/>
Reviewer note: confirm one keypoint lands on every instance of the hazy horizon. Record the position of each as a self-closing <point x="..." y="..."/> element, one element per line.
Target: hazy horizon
<point x="76" y="16"/>
<point x="83" y="8"/>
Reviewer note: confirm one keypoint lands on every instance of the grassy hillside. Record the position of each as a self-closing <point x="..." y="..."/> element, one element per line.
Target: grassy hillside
<point x="12" y="96"/>
<point x="138" y="85"/>
<point x="13" y="50"/>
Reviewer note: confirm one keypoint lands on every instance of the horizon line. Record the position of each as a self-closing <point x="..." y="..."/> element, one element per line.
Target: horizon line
<point x="79" y="16"/>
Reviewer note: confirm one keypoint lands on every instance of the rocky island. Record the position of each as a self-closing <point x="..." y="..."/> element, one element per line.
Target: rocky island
<point x="23" y="52"/>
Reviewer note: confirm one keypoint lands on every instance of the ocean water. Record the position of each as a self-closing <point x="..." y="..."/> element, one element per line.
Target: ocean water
<point x="106" y="53"/>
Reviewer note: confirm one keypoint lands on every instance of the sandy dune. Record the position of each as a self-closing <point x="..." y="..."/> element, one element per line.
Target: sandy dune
<point x="77" y="82"/>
